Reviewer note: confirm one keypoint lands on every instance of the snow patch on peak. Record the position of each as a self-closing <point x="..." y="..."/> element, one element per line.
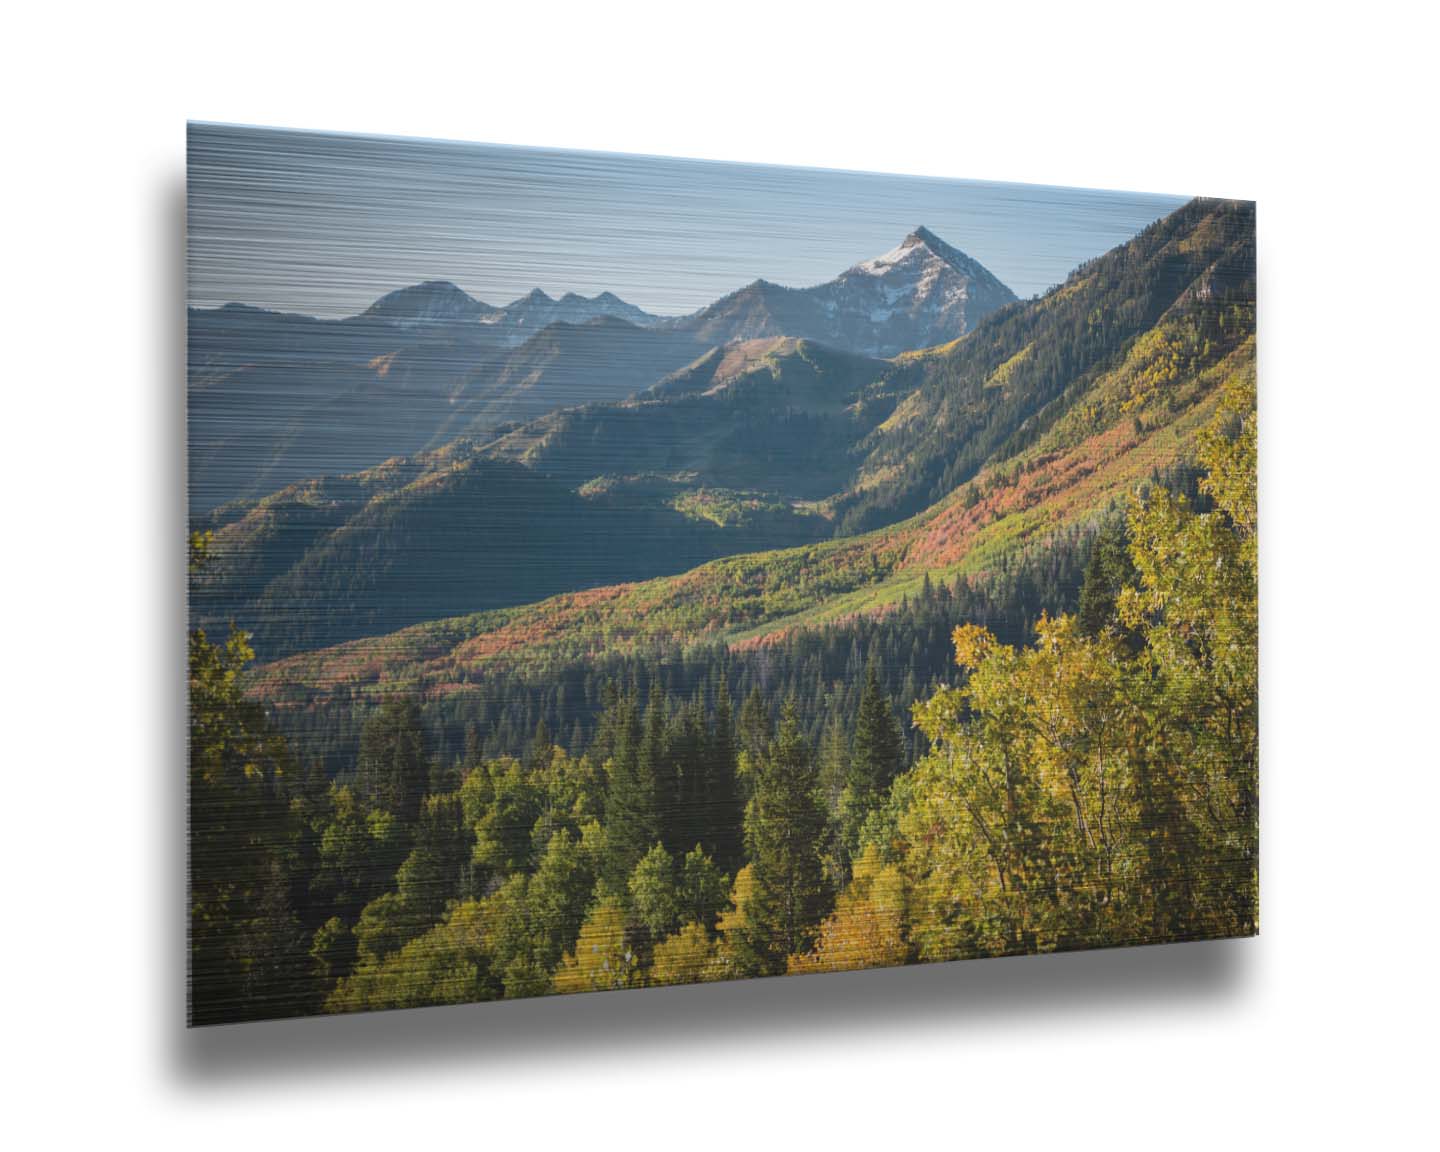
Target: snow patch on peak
<point x="909" y="249"/>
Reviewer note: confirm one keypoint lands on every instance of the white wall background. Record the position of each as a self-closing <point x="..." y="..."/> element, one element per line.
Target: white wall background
<point x="1320" y="1030"/>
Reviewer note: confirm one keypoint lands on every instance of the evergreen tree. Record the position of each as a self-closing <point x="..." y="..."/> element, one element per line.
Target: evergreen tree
<point x="683" y="778"/>
<point x="537" y="756"/>
<point x="834" y="775"/>
<point x="1109" y="570"/>
<point x="875" y="761"/>
<point x="722" y="828"/>
<point x="755" y="731"/>
<point x="879" y="744"/>
<point x="393" y="772"/>
<point x="632" y="816"/>
<point x="431" y="875"/>
<point x="655" y="764"/>
<point x="785" y="829"/>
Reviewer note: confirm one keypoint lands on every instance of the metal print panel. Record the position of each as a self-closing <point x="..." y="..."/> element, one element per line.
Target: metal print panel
<point x="614" y="571"/>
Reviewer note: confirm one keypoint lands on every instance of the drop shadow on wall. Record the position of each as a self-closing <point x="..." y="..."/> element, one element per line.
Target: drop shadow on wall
<point x="846" y="1008"/>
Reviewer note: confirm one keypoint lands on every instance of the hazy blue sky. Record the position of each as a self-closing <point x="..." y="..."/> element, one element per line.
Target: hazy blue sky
<point x="325" y="224"/>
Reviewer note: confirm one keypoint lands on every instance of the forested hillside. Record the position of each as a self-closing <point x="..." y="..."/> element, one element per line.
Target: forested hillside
<point x="1064" y="482"/>
<point x="1097" y="787"/>
<point x="759" y="445"/>
<point x="974" y="672"/>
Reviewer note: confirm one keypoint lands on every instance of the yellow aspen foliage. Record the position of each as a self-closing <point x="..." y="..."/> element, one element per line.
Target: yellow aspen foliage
<point x="867" y="928"/>
<point x="688" y="957"/>
<point x="1101" y="789"/>
<point x="741" y="939"/>
<point x="603" y="958"/>
<point x="972" y="644"/>
<point x="449" y="964"/>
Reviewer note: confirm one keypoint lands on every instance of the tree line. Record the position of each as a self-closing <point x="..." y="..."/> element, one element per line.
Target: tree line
<point x="823" y="668"/>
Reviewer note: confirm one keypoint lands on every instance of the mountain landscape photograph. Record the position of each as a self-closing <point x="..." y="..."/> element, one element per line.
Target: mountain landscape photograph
<point x="611" y="571"/>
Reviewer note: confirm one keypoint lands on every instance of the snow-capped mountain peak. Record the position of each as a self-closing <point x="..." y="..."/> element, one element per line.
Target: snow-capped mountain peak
<point x="921" y="245"/>
<point x="913" y="248"/>
<point x="920" y="293"/>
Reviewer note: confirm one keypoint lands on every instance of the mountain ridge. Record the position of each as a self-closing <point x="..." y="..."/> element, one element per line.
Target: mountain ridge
<point x="920" y="293"/>
<point x="272" y="393"/>
<point x="429" y="302"/>
<point x="1073" y="475"/>
<point x="798" y="441"/>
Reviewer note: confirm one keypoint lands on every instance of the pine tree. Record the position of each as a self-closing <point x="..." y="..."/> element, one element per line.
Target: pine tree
<point x="723" y="831"/>
<point x="393" y="772"/>
<point x="879" y="745"/>
<point x="654" y="763"/>
<point x="875" y="761"/>
<point x="632" y="817"/>
<point x="1108" y="571"/>
<point x="432" y="873"/>
<point x="755" y="731"/>
<point x="785" y="830"/>
<point x="684" y="771"/>
<point x="834" y="775"/>
<point x="537" y="756"/>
